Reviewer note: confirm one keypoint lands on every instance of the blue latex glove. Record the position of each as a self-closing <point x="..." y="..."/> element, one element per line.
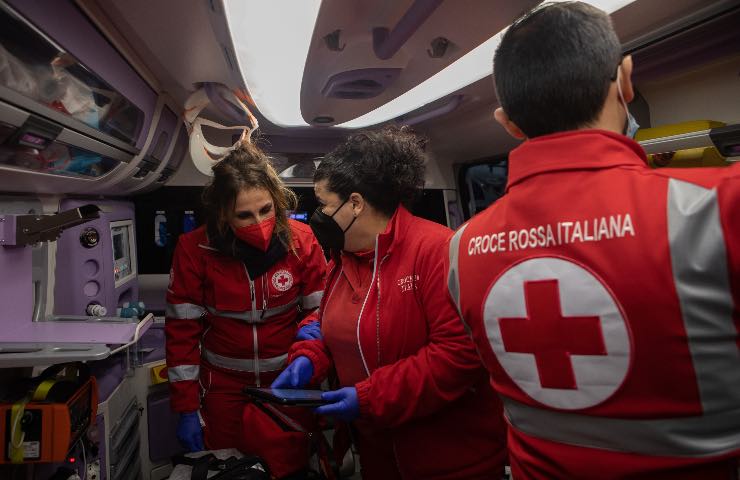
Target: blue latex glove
<point x="189" y="432"/>
<point x="297" y="375"/>
<point x="344" y="404"/>
<point x="312" y="331"/>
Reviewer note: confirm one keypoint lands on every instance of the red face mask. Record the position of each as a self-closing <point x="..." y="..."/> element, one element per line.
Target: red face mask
<point x="257" y="235"/>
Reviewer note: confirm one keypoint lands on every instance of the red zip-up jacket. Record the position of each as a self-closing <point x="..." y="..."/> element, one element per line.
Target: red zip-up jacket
<point x="217" y="314"/>
<point x="426" y="385"/>
<point x="604" y="298"/>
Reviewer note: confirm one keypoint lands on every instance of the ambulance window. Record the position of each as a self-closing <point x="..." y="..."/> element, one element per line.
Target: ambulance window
<point x="481" y="184"/>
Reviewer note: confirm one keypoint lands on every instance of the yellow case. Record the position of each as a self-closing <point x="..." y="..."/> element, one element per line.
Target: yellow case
<point x="692" y="157"/>
<point x="159" y="374"/>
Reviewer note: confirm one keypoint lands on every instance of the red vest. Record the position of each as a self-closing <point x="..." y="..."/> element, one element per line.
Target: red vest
<point x="603" y="297"/>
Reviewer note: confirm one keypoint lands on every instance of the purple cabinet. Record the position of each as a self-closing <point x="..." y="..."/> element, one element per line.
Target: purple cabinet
<point x="64" y="63"/>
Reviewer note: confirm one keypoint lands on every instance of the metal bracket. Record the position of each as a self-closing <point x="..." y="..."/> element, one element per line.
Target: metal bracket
<point x="20" y="230"/>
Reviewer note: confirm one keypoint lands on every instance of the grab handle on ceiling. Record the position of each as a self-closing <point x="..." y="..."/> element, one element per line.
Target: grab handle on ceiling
<point x="386" y="43"/>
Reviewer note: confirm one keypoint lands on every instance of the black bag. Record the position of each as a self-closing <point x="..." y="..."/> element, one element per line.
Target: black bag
<point x="246" y="468"/>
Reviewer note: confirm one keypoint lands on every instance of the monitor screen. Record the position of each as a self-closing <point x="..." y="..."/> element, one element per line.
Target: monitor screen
<point x="118" y="242"/>
<point x="300" y="216"/>
<point x="121" y="239"/>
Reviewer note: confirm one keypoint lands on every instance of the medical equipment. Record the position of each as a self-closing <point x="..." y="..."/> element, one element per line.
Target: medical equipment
<point x="43" y="417"/>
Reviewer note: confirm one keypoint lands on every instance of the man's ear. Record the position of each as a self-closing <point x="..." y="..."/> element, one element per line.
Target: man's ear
<point x="510" y="127"/>
<point x="626" y="79"/>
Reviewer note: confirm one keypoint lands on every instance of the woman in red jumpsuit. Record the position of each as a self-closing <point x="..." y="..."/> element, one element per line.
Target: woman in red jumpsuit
<point x="239" y="285"/>
<point x="412" y="385"/>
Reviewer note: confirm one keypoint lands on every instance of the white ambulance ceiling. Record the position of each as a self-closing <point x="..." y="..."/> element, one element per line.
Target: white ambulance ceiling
<point x="183" y="42"/>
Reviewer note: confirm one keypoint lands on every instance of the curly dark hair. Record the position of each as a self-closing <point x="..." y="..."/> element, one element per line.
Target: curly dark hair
<point x="246" y="167"/>
<point x="386" y="167"/>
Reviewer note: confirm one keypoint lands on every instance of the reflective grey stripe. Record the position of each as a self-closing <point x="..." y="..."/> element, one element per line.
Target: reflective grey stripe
<point x="184" y="311"/>
<point x="254" y="315"/>
<point x="246" y="364"/>
<point x="453" y="277"/>
<point x="700" y="273"/>
<point x="312" y="300"/>
<point x="707" y="435"/>
<point x="183" y="372"/>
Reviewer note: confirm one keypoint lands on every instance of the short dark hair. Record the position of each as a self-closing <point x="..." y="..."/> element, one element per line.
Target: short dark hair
<point x="554" y="66"/>
<point x="386" y="167"/>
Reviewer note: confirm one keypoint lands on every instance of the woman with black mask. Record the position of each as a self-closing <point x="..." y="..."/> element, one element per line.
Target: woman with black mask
<point x="408" y="377"/>
<point x="239" y="286"/>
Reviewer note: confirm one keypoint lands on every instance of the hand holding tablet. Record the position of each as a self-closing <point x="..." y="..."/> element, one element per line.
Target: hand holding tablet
<point x="287" y="396"/>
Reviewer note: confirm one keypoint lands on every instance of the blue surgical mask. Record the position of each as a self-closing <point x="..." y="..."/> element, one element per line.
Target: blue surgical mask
<point x="631" y="127"/>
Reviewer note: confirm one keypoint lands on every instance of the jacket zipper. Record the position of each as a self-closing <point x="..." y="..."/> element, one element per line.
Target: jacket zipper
<point x="377" y="310"/>
<point x="255" y="340"/>
<point x="377" y="336"/>
<point x="362" y="310"/>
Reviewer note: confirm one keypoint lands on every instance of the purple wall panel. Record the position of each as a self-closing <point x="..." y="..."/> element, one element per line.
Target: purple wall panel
<point x="162" y="427"/>
<point x="16" y="290"/>
<point x="153" y="338"/>
<point x="67" y="25"/>
<point x="109" y="373"/>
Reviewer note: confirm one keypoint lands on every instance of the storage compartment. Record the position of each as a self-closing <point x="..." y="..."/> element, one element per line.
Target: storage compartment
<point x="148" y="168"/>
<point x="162" y="427"/>
<point x="22" y="149"/>
<point x="124" y="445"/>
<point x="178" y="154"/>
<point x="55" y="61"/>
<point x="73" y="112"/>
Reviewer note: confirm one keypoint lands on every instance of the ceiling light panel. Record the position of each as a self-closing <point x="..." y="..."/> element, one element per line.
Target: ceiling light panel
<point x="271" y="39"/>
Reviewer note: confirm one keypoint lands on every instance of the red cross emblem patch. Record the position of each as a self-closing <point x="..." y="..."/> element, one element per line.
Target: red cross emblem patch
<point x="558" y="332"/>
<point x="282" y="280"/>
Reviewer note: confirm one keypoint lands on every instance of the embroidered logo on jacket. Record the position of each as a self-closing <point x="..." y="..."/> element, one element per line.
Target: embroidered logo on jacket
<point x="408" y="283"/>
<point x="282" y="280"/>
<point x="558" y="332"/>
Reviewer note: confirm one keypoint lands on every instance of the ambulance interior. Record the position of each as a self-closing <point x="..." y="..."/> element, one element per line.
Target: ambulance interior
<point x="97" y="180"/>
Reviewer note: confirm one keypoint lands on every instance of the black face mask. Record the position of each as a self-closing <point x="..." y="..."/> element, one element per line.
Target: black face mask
<point x="328" y="232"/>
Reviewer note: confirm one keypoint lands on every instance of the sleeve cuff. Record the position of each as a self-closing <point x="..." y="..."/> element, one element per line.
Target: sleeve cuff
<point x="315" y="351"/>
<point x="310" y="318"/>
<point x="363" y="398"/>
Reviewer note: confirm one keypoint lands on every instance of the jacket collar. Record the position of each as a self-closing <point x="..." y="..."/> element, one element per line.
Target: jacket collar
<point x="573" y="150"/>
<point x="394" y="232"/>
<point x="390" y="238"/>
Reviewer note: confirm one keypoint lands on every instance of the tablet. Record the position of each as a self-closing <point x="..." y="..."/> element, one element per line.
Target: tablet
<point x="287" y="396"/>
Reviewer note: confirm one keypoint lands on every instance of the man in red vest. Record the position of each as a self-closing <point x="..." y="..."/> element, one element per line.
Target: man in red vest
<point x="603" y="296"/>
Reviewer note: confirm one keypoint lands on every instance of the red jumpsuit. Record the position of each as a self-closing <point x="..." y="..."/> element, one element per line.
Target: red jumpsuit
<point x="604" y="299"/>
<point x="226" y="331"/>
